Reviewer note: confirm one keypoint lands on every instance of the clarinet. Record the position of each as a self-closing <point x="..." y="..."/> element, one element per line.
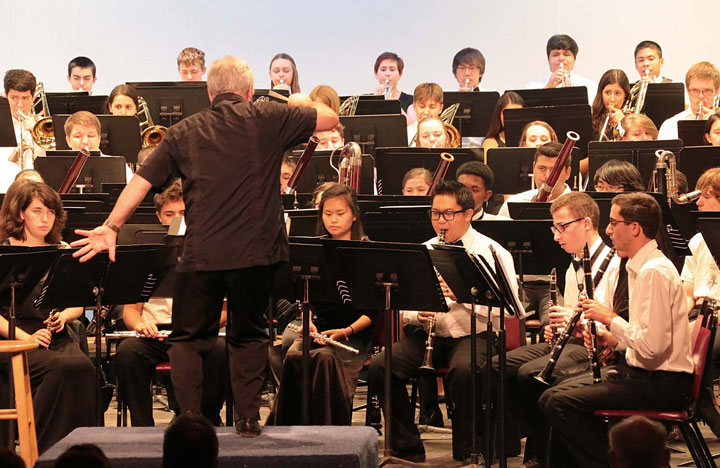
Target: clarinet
<point x="326" y="339"/>
<point x="427" y="360"/>
<point x="593" y="354"/>
<point x="553" y="302"/>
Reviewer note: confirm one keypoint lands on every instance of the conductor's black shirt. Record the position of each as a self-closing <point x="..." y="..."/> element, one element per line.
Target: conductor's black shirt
<point x="229" y="158"/>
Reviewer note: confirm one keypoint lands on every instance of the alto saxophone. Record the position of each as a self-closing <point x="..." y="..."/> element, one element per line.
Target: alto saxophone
<point x="427" y="360"/>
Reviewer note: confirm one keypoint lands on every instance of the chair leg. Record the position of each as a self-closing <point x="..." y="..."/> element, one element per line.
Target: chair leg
<point x="710" y="459"/>
<point x="692" y="443"/>
<point x="23" y="404"/>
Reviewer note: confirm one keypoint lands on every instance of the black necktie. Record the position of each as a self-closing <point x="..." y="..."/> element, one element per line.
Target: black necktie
<point x="458" y="242"/>
<point x="620" y="297"/>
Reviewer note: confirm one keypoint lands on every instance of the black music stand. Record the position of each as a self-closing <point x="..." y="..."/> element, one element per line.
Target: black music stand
<point x="709" y="226"/>
<point x="7" y="129"/>
<point x="694" y="160"/>
<point x="640" y="154"/>
<point x="378" y="107"/>
<point x="100" y="282"/>
<point x="399" y="224"/>
<point x="472" y="280"/>
<point x="692" y="132"/>
<point x="97" y="170"/>
<point x="308" y="263"/>
<point x="539" y="97"/>
<point x="389" y="277"/>
<point x="663" y="100"/>
<point x="576" y="118"/>
<point x="318" y="171"/>
<point x="171" y="101"/>
<point x="374" y="131"/>
<point x="266" y="92"/>
<point x="378" y="203"/>
<point x="393" y="163"/>
<point x="303" y="222"/>
<point x="119" y="135"/>
<point x="475" y="112"/>
<point x="69" y="103"/>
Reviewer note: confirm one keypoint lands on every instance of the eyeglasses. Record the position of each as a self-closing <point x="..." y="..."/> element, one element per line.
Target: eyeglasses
<point x="701" y="92"/>
<point x="448" y="215"/>
<point x="560" y="228"/>
<point x="603" y="186"/>
<point x="470" y="68"/>
<point x="612" y="222"/>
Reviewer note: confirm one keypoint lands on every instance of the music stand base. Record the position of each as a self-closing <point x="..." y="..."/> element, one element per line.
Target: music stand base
<point x="388" y="459"/>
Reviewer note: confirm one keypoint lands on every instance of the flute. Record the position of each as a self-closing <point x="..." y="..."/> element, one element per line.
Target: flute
<point x="326" y="339"/>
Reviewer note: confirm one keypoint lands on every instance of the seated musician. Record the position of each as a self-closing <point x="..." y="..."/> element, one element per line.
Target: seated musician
<point x="649" y="61"/>
<point x="333" y="371"/>
<point x="537" y="133"/>
<point x="8" y="178"/>
<point x="416" y="181"/>
<point x="562" y="52"/>
<point x="618" y="176"/>
<point x="388" y="71"/>
<point x="495" y="137"/>
<point x="452" y="211"/>
<point x="123" y="100"/>
<point x="137" y="357"/>
<point x="82" y="74"/>
<point x="286" y="170"/>
<point x="612" y="91"/>
<point x="479" y="178"/>
<point x="283" y="73"/>
<point x="637" y="127"/>
<point x="468" y="67"/>
<point x="327" y="95"/>
<point x="575" y="224"/>
<point x="545" y="158"/>
<point x="19" y="90"/>
<point x="702" y="83"/>
<point x="331" y="139"/>
<point x="701" y="281"/>
<point x="656" y="339"/>
<point x="61" y="375"/>
<point x="191" y="64"/>
<point x="83" y="130"/>
<point x="712" y="130"/>
<point x="432" y="133"/>
<point x="427" y="102"/>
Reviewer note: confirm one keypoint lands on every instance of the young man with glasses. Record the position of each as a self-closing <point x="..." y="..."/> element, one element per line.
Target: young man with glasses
<point x="575" y="225"/>
<point x="702" y="83"/>
<point x="658" y="371"/>
<point x="468" y="67"/>
<point x="452" y="211"/>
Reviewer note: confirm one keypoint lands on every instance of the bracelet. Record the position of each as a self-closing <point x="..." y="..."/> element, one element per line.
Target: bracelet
<point x="111" y="225"/>
<point x="352" y="329"/>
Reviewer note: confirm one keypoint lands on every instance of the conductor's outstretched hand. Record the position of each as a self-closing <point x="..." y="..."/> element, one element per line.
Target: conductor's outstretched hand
<point x="98" y="240"/>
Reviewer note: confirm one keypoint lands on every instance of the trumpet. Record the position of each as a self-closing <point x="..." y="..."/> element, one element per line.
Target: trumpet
<point x="43" y="132"/>
<point x="427" y="359"/>
<point x="150" y="134"/>
<point x="566" y="78"/>
<point x="349" y="166"/>
<point x="387" y="89"/>
<point x="324" y="338"/>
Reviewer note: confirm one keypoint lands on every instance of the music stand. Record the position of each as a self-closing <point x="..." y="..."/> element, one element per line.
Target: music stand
<point x="378" y="107"/>
<point x="380" y="203"/>
<point x="640" y="154"/>
<point x="692" y="132"/>
<point x="576" y="118"/>
<point x="171" y="101"/>
<point x="694" y="160"/>
<point x="389" y="277"/>
<point x="393" y="163"/>
<point x="7" y="129"/>
<point x="99" y="282"/>
<point x="663" y="100"/>
<point x="710" y="230"/>
<point x="399" y="224"/>
<point x="69" y="103"/>
<point x="266" y="92"/>
<point x="119" y="135"/>
<point x="318" y="171"/>
<point x="540" y="97"/>
<point x="475" y="112"/>
<point x="303" y="222"/>
<point x="374" y="131"/>
<point x="97" y="170"/>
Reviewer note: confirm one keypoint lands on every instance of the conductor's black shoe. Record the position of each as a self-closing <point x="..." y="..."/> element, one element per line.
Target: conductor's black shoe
<point x="414" y="454"/>
<point x="248" y="427"/>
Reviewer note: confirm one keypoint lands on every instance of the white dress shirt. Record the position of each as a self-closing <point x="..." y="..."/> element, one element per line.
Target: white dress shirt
<point x="485" y="216"/>
<point x="669" y="128"/>
<point x="456" y="322"/>
<point x="606" y="284"/>
<point x="575" y="80"/>
<point x="657" y="336"/>
<point x="700" y="270"/>
<point x="523" y="197"/>
<point x="157" y="310"/>
<point x="31" y="147"/>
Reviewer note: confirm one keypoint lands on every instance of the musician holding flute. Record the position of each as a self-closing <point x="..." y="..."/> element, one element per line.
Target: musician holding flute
<point x="656" y="340"/>
<point x="137" y="358"/>
<point x="452" y="211"/>
<point x="229" y="158"/>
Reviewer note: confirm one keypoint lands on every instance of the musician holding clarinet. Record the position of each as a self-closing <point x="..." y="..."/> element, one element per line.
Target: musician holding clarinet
<point x="655" y="337"/>
<point x="229" y="157"/>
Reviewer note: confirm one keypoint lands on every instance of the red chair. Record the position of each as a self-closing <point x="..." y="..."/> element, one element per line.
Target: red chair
<point x="702" y="336"/>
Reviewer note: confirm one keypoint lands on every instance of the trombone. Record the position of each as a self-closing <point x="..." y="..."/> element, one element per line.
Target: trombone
<point x="43" y="132"/>
<point x="150" y="134"/>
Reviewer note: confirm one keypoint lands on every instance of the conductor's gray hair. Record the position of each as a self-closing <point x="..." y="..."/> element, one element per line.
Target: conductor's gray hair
<point x="229" y="75"/>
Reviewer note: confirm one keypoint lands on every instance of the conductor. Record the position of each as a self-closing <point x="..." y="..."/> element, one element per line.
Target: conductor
<point x="228" y="157"/>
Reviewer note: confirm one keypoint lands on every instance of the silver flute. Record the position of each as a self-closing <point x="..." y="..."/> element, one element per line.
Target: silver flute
<point x="326" y="339"/>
